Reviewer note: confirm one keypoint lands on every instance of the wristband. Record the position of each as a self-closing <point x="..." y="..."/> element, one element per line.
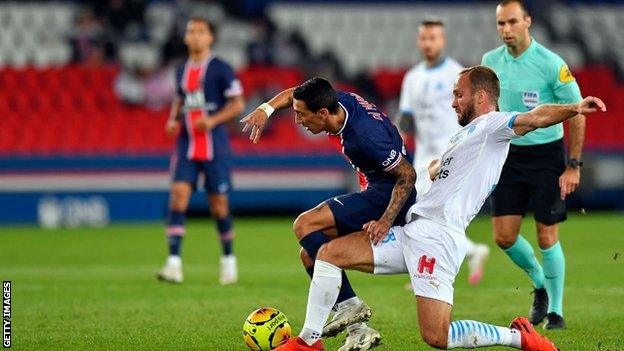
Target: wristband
<point x="268" y="109"/>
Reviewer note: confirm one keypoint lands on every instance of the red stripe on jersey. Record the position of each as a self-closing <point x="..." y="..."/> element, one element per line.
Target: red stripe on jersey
<point x="336" y="141"/>
<point x="200" y="146"/>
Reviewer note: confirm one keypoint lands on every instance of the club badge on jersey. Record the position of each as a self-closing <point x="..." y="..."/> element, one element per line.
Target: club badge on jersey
<point x="200" y="146"/>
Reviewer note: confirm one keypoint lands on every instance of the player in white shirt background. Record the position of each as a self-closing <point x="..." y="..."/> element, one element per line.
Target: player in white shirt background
<point x="426" y="97"/>
<point x="432" y="245"/>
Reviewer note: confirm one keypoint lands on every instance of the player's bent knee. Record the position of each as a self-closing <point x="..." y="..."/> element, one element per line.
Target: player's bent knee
<point x="505" y="241"/>
<point x="328" y="254"/>
<point x="302" y="226"/>
<point x="434" y="339"/>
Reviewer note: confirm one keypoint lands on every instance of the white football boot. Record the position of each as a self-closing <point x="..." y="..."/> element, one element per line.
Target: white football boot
<point x="172" y="271"/>
<point x="228" y="270"/>
<point x="349" y="312"/>
<point x="476" y="261"/>
<point x="360" y="337"/>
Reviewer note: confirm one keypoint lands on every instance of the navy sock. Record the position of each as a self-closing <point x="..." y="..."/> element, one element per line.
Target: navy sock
<point x="226" y="234"/>
<point x="346" y="291"/>
<point x="312" y="243"/>
<point x="175" y="231"/>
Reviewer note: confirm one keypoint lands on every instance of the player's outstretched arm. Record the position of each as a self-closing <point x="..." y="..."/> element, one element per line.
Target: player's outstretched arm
<point x="406" y="177"/>
<point x="256" y="120"/>
<point x="550" y="114"/>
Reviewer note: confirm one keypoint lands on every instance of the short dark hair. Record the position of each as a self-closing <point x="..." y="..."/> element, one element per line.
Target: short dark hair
<point x="432" y="22"/>
<point x="317" y="93"/>
<point x="522" y="4"/>
<point x="211" y="27"/>
<point x="483" y="78"/>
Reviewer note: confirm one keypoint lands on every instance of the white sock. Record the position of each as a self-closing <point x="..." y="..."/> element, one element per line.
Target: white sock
<point x="323" y="293"/>
<point x="174" y="260"/>
<point x="470" y="246"/>
<point x="472" y="334"/>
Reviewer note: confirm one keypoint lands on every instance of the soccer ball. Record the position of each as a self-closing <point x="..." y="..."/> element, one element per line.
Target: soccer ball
<point x="265" y="329"/>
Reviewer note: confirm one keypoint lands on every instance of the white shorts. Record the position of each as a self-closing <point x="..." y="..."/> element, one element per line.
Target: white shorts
<point x="429" y="252"/>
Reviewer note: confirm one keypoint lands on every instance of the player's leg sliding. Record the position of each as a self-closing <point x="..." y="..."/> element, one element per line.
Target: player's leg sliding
<point x="522" y="254"/>
<point x="172" y="271"/>
<point x="476" y="255"/>
<point x="228" y="271"/>
<point x="520" y="335"/>
<point x="554" y="272"/>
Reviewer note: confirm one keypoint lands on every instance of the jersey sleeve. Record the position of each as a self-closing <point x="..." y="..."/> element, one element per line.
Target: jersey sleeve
<point x="382" y="146"/>
<point x="404" y="101"/>
<point x="231" y="85"/>
<point x="500" y="125"/>
<point x="563" y="83"/>
<point x="177" y="80"/>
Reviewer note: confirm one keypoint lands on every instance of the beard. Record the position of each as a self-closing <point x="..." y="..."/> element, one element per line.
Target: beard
<point x="467" y="116"/>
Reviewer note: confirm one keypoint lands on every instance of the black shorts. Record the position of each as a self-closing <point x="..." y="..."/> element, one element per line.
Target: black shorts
<point x="530" y="176"/>
<point x="352" y="211"/>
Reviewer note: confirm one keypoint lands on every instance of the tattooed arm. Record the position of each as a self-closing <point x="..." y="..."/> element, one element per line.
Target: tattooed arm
<point x="406" y="177"/>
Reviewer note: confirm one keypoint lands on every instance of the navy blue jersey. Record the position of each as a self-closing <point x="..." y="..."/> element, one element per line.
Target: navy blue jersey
<point x="371" y="143"/>
<point x="204" y="89"/>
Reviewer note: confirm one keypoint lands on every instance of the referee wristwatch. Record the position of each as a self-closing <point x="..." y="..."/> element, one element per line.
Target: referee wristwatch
<point x="574" y="163"/>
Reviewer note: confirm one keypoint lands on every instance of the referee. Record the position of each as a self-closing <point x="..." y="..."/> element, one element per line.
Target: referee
<point x="536" y="170"/>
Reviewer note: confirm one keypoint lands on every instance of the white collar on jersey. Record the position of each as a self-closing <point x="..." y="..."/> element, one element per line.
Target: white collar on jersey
<point x="345" y="121"/>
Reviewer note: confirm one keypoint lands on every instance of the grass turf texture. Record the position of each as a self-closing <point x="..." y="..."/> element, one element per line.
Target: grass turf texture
<point x="94" y="289"/>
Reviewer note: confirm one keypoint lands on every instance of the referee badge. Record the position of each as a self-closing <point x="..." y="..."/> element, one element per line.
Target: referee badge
<point x="564" y="74"/>
<point x="530" y="99"/>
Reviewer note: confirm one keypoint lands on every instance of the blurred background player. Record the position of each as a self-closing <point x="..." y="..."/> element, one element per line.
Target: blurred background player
<point x="208" y="95"/>
<point x="536" y="169"/>
<point x="373" y="146"/>
<point x="426" y="98"/>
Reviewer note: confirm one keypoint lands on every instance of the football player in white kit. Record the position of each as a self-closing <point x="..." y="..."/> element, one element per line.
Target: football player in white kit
<point x="426" y="96"/>
<point x="432" y="245"/>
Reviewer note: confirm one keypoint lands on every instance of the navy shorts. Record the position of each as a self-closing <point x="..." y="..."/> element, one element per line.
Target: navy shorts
<point x="352" y="211"/>
<point x="530" y="180"/>
<point x="216" y="173"/>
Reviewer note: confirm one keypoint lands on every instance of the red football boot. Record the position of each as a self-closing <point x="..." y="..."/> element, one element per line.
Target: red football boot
<point x="297" y="344"/>
<point x="531" y="339"/>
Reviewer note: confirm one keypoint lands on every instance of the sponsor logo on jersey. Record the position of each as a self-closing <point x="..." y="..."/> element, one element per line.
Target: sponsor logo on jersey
<point x="390" y="158"/>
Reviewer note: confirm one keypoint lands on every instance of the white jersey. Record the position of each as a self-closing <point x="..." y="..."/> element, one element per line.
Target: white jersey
<point x="427" y="95"/>
<point x="469" y="171"/>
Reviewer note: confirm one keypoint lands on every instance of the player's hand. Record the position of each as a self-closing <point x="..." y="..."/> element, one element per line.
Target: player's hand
<point x="256" y="120"/>
<point x="590" y="105"/>
<point x="172" y="127"/>
<point x="204" y="124"/>
<point x="569" y="181"/>
<point x="377" y="230"/>
<point x="434" y="166"/>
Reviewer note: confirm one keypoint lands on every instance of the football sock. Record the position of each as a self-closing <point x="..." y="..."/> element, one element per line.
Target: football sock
<point x="522" y="254"/>
<point x="554" y="272"/>
<point x="470" y="245"/>
<point x="312" y="243"/>
<point x="226" y="234"/>
<point x="324" y="290"/>
<point x="472" y="334"/>
<point x="175" y="232"/>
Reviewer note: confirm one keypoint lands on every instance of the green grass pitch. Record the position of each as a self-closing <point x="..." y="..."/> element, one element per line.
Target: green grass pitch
<point x="94" y="289"/>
